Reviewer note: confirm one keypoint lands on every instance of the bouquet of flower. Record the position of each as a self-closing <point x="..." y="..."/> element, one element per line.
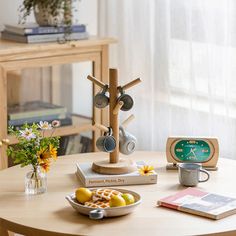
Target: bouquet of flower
<point x="34" y="147"/>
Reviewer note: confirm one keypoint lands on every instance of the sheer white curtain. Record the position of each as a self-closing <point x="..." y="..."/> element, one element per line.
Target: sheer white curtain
<point x="185" y="52"/>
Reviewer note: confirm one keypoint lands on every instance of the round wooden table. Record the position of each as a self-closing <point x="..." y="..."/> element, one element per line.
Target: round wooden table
<point x="50" y="213"/>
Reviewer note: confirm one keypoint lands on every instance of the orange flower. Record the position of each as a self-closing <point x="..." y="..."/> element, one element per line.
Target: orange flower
<point x="53" y="152"/>
<point x="45" y="166"/>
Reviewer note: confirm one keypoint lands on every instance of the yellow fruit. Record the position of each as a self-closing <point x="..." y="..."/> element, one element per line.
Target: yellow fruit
<point x="129" y="198"/>
<point x="117" y="201"/>
<point x="83" y="195"/>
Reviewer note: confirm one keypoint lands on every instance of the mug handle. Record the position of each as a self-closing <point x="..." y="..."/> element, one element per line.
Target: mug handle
<point x="96" y="214"/>
<point x="208" y="176"/>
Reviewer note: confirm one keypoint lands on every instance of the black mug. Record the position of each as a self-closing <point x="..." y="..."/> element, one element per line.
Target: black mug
<point x="126" y="99"/>
<point x="106" y="143"/>
<point x="101" y="99"/>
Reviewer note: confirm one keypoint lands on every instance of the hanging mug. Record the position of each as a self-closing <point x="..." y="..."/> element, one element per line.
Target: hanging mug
<point x="127" y="99"/>
<point x="101" y="99"/>
<point x="106" y="143"/>
<point x="127" y="142"/>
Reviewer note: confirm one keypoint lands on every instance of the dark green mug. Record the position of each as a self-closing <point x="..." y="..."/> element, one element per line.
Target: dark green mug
<point x="106" y="143"/>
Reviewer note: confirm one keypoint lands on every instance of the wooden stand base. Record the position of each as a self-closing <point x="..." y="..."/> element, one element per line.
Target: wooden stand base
<point x="122" y="167"/>
<point x="171" y="166"/>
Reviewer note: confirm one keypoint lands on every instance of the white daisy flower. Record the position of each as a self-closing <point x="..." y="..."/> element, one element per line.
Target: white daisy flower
<point x="28" y="134"/>
<point x="44" y="125"/>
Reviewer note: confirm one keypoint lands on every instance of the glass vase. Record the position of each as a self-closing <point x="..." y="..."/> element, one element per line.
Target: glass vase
<point x="35" y="181"/>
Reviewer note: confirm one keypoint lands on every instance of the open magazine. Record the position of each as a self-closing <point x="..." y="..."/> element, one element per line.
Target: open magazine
<point x="196" y="201"/>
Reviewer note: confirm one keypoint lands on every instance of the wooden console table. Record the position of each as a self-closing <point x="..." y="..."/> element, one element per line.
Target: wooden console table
<point x="17" y="56"/>
<point x="50" y="214"/>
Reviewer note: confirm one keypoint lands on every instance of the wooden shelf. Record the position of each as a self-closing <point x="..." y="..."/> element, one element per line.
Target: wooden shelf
<point x="17" y="56"/>
<point x="12" y="51"/>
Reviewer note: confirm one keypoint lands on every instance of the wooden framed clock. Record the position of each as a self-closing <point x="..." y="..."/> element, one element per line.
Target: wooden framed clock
<point x="192" y="149"/>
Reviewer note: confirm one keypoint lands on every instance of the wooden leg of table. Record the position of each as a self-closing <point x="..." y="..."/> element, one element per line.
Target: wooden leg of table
<point x="4" y="232"/>
<point x="3" y="118"/>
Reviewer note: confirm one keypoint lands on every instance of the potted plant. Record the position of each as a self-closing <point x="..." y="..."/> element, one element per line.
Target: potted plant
<point x="48" y="12"/>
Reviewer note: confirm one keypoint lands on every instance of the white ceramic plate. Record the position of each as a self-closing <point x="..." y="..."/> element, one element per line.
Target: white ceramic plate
<point x="99" y="213"/>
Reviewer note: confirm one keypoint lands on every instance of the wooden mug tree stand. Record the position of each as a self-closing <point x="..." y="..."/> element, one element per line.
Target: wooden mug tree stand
<point x="115" y="164"/>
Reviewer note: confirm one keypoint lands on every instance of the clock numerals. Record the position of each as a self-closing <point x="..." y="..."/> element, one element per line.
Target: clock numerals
<point x="205" y="150"/>
<point x="179" y="150"/>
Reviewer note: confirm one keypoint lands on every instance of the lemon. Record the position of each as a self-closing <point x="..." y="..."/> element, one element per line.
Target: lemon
<point x="83" y="195"/>
<point x="129" y="198"/>
<point x="117" y="201"/>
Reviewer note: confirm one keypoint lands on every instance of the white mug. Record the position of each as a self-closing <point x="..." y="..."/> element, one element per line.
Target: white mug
<point x="189" y="174"/>
<point x="127" y="142"/>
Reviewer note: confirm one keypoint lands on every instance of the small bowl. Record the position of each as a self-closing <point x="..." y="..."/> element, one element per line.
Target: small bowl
<point x="99" y="213"/>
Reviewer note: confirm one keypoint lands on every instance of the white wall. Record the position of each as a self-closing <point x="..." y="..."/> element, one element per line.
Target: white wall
<point x="9" y="13"/>
<point x="87" y="14"/>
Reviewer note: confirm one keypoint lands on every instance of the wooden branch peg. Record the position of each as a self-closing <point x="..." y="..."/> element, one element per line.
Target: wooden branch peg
<point x="95" y="81"/>
<point x="126" y="122"/>
<point x="118" y="107"/>
<point x="131" y="84"/>
<point x="101" y="127"/>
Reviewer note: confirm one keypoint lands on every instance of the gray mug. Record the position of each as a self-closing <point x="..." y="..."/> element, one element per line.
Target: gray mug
<point x="189" y="174"/>
<point x="101" y="99"/>
<point x="127" y="143"/>
<point x="106" y="143"/>
<point x="127" y="99"/>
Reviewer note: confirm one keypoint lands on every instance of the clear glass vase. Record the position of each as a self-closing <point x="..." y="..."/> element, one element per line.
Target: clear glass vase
<point x="35" y="181"/>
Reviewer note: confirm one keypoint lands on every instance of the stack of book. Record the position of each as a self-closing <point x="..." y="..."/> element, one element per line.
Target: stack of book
<point x="33" y="33"/>
<point x="36" y="111"/>
<point x="88" y="178"/>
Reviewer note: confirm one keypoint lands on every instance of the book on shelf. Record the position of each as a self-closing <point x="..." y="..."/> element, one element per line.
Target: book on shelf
<point x="78" y="144"/>
<point x="63" y="121"/>
<point x="34" y="109"/>
<point x="61" y="151"/>
<point x="199" y="202"/>
<point x="86" y="144"/>
<point x="35" y="29"/>
<point x="43" y="38"/>
<point x="91" y="179"/>
<point x="31" y="120"/>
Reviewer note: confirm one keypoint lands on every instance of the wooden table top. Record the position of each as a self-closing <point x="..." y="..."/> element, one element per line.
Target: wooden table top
<point x="50" y="213"/>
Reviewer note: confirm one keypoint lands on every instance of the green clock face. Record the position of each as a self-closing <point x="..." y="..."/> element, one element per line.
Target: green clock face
<point x="192" y="151"/>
